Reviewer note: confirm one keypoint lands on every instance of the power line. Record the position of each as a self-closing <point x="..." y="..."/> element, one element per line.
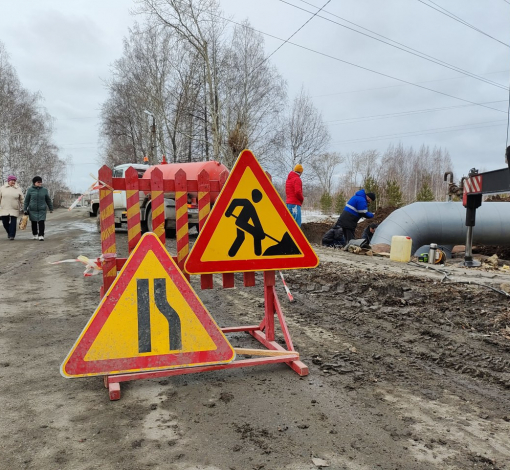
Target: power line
<point x="508" y="118"/>
<point x="437" y="130"/>
<point x="395" y="86"/>
<point x="460" y="20"/>
<point x="293" y="34"/>
<point x="403" y="113"/>
<point x="410" y="50"/>
<point x="360" y="66"/>
<point x="390" y="86"/>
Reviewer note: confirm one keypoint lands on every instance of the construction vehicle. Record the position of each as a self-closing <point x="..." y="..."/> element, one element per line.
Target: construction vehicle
<point x="119" y="197"/>
<point x="471" y="190"/>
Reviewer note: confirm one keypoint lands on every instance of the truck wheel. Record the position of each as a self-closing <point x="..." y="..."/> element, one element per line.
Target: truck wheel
<point x="148" y="219"/>
<point x="94" y="210"/>
<point x="170" y="232"/>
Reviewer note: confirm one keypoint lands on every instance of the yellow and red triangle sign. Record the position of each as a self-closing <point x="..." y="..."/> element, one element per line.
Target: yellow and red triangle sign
<point x="150" y="319"/>
<point x="249" y="228"/>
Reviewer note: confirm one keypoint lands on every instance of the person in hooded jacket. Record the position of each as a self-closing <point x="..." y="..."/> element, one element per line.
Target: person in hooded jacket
<point x="36" y="200"/>
<point x="294" y="193"/>
<point x="355" y="209"/>
<point x="334" y="237"/>
<point x="368" y="233"/>
<point x="11" y="202"/>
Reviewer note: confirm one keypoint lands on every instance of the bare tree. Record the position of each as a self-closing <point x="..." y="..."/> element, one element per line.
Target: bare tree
<point x="323" y="167"/>
<point x="253" y="95"/>
<point x="26" y="130"/>
<point x="304" y="134"/>
<point x="198" y="22"/>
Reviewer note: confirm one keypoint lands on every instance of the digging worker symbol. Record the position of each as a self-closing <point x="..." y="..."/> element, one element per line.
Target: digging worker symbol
<point x="247" y="214"/>
<point x="248" y="222"/>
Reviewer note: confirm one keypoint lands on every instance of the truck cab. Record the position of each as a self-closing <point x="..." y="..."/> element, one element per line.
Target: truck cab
<point x="120" y="205"/>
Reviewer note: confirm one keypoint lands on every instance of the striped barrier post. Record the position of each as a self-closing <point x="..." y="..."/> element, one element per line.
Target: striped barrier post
<point x="204" y="207"/>
<point x="181" y="218"/>
<point x="107" y="221"/>
<point x="158" y="204"/>
<point x="228" y="278"/>
<point x="133" y="208"/>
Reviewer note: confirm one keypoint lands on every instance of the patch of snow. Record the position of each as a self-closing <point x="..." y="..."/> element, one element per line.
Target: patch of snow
<point x="309" y="216"/>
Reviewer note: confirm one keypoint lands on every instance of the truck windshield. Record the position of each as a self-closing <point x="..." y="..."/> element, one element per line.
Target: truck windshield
<point x="119" y="172"/>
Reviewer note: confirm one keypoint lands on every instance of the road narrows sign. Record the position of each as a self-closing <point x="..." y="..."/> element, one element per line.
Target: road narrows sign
<point x="150" y="319"/>
<point x="249" y="228"/>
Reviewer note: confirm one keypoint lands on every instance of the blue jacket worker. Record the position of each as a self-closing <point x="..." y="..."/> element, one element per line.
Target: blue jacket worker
<point x="355" y="209"/>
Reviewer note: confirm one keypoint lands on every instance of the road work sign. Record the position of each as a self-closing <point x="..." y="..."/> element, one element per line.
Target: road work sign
<point x="150" y="319"/>
<point x="249" y="228"/>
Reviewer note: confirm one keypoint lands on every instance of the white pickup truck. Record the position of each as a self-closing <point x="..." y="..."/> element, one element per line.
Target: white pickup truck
<point x="120" y="206"/>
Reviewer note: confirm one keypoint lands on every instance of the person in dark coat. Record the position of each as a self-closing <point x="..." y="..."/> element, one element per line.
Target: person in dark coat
<point x="294" y="193"/>
<point x="334" y="237"/>
<point x="36" y="201"/>
<point x="368" y="233"/>
<point x="355" y="209"/>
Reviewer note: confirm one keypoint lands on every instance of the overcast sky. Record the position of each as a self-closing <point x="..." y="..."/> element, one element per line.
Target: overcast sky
<point x="64" y="49"/>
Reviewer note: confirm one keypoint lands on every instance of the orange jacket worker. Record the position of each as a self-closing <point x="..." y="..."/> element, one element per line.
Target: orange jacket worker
<point x="294" y="193"/>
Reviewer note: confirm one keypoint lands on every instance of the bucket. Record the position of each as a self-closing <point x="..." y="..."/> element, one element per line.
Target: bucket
<point x="401" y="248"/>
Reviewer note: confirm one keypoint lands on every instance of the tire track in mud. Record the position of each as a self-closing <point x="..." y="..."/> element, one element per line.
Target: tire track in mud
<point x="403" y="324"/>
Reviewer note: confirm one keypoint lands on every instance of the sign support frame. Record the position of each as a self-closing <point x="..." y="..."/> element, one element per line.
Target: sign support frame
<point x="264" y="332"/>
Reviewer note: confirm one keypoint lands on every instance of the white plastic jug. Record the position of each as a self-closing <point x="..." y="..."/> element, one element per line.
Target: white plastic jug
<point x="401" y="248"/>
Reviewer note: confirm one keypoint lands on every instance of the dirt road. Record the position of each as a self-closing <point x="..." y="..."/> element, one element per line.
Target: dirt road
<point x="406" y="372"/>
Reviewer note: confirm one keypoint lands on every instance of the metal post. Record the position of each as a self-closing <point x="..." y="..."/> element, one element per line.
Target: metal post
<point x="153" y="138"/>
<point x="469" y="262"/>
<point x="473" y="201"/>
<point x="153" y="141"/>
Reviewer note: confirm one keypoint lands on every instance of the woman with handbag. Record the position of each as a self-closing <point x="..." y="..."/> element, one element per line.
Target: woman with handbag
<point x="36" y="201"/>
<point x="11" y="200"/>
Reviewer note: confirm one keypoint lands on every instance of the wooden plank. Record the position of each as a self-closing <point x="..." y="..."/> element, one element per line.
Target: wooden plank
<point x="239" y="329"/>
<point x="265" y="352"/>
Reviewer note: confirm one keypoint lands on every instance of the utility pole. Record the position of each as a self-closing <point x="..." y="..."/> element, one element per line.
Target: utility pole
<point x="153" y="140"/>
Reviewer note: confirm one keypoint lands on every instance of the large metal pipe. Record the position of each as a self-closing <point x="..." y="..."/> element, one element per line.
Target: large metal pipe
<point x="444" y="223"/>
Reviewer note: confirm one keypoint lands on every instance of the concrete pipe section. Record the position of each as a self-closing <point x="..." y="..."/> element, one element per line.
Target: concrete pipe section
<point x="444" y="223"/>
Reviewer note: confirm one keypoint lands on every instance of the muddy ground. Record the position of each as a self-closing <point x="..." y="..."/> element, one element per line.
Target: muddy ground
<point x="409" y="369"/>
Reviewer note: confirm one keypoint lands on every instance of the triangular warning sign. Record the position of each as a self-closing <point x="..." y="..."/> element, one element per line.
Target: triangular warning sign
<point x="249" y="228"/>
<point x="150" y="319"/>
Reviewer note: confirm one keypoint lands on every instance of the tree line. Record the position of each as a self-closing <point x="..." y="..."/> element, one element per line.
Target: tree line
<point x="26" y="128"/>
<point x="193" y="86"/>
<point x="399" y="176"/>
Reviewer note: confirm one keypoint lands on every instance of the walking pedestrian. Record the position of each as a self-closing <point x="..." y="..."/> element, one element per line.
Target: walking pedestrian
<point x="11" y="202"/>
<point x="294" y="193"/>
<point x="37" y="200"/>
<point x="355" y="209"/>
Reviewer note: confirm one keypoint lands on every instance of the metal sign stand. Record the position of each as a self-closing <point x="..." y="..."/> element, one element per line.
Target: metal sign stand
<point x="263" y="332"/>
